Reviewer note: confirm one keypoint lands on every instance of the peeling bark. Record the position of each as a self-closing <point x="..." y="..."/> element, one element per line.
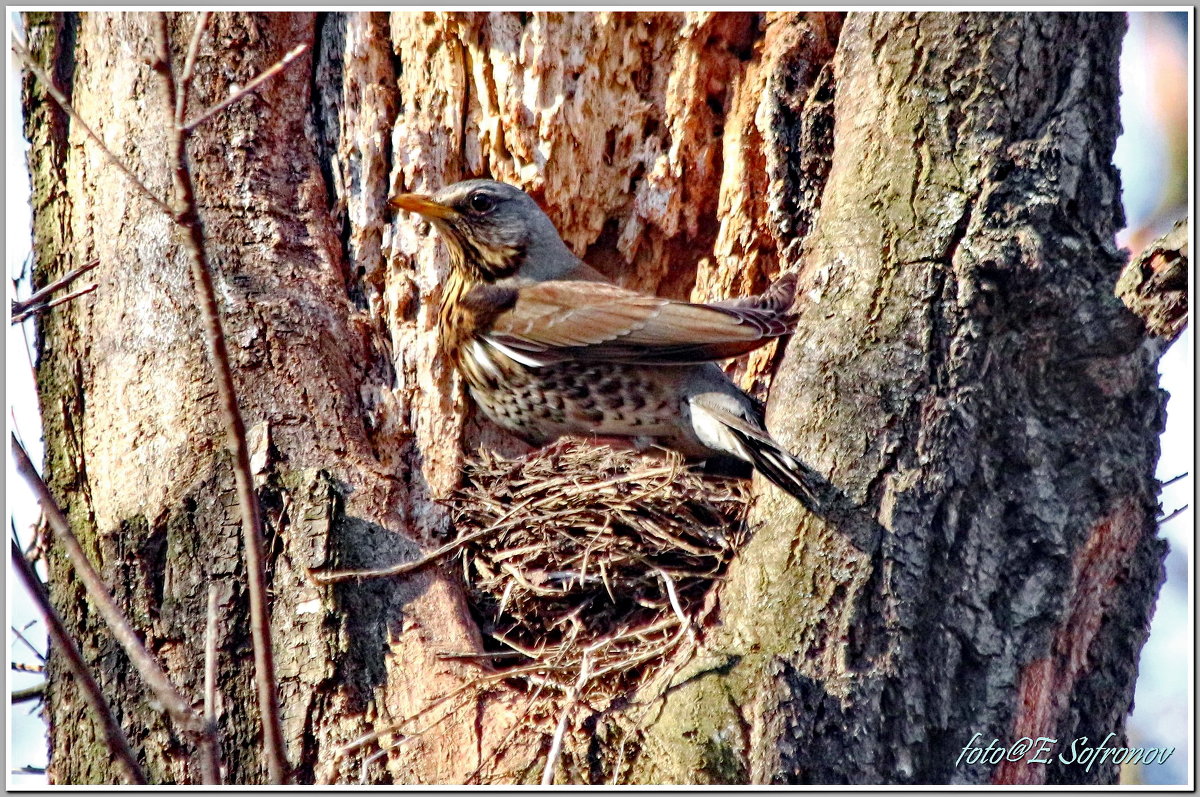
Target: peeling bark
<point x="943" y="184"/>
<point x="1154" y="286"/>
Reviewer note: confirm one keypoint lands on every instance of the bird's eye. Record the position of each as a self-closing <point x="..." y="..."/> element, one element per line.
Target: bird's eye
<point x="481" y="202"/>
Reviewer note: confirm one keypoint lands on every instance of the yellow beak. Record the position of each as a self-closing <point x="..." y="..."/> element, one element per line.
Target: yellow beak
<point x="426" y="206"/>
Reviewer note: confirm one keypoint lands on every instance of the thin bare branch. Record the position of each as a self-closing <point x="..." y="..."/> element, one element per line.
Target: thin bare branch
<point x="179" y="708"/>
<point x="17" y="666"/>
<point x="334" y="576"/>
<point x="28" y="644"/>
<point x="266" y="75"/>
<point x="28" y="361"/>
<point x="35" y="692"/>
<point x="1174" y="479"/>
<point x="211" y="755"/>
<point x="27" y="58"/>
<point x="65" y="645"/>
<point x="235" y="428"/>
<point x="189" y="68"/>
<point x="1172" y="515"/>
<point x="17" y="319"/>
<point x="210" y="657"/>
<point x="458" y="695"/>
<point x="21" y="305"/>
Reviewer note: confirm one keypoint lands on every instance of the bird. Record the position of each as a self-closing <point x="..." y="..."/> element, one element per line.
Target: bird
<point x="550" y="347"/>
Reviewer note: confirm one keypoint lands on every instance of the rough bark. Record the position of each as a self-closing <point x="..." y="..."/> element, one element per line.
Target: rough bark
<point x="970" y="373"/>
<point x="133" y="445"/>
<point x="944" y="185"/>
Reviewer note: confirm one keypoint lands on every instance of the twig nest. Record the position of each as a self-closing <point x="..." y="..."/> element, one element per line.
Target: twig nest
<point x="591" y="550"/>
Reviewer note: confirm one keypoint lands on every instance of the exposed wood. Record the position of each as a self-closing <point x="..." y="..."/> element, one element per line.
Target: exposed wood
<point x="1154" y="286"/>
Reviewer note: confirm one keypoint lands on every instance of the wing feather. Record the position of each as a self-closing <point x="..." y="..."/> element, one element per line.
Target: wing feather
<point x="573" y="320"/>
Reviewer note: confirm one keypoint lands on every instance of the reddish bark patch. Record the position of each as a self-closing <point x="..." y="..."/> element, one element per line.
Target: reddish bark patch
<point x="1046" y="683"/>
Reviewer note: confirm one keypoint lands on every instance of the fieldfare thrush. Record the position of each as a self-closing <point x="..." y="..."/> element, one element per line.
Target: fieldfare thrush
<point x="548" y="346"/>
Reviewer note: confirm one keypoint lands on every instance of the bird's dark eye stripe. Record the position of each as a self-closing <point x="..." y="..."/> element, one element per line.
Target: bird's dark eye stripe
<point x="481" y="202"/>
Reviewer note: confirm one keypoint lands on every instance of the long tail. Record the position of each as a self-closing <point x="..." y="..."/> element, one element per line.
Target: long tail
<point x="754" y="444"/>
<point x="785" y="471"/>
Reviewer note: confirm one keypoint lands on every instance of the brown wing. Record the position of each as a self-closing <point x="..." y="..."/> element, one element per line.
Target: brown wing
<point x="556" y="321"/>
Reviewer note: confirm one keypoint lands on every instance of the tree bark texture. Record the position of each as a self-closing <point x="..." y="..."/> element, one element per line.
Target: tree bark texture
<point x="969" y="373"/>
<point x="943" y="184"/>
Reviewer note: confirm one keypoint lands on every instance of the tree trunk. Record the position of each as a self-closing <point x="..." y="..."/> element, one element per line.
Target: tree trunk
<point x="969" y="373"/>
<point x="943" y="184"/>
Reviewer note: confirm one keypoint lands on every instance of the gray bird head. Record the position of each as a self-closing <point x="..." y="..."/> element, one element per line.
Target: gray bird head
<point x="493" y="231"/>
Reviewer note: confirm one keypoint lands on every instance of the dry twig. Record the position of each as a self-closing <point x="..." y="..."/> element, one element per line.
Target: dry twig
<point x="17" y="666"/>
<point x="463" y="693"/>
<point x="21" y="636"/>
<point x="1172" y="515"/>
<point x="263" y="77"/>
<point x="27" y="58"/>
<point x="64" y="644"/>
<point x="1174" y="479"/>
<point x="334" y="576"/>
<point x="211" y="762"/>
<point x="23" y="308"/>
<point x="189" y="68"/>
<point x="177" y="707"/>
<point x="187" y="217"/>
<point x="32" y="311"/>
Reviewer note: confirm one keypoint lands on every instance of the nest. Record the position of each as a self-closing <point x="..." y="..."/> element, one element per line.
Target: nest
<point x="588" y="564"/>
<point x="586" y="567"/>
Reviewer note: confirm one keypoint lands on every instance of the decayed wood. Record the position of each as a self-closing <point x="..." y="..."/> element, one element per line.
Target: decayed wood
<point x="1154" y="286"/>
